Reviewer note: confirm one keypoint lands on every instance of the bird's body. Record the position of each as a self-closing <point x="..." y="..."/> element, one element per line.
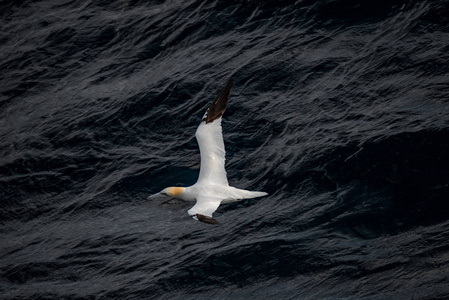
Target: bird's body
<point x="212" y="187"/>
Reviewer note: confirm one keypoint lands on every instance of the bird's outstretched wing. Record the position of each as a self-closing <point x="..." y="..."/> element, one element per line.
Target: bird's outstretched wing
<point x="210" y="139"/>
<point x="204" y="208"/>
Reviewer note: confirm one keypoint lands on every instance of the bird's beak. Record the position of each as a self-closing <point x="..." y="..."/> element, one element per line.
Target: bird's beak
<point x="154" y="196"/>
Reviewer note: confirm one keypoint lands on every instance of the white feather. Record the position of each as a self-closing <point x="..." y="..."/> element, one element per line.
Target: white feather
<point x="210" y="140"/>
<point x="212" y="186"/>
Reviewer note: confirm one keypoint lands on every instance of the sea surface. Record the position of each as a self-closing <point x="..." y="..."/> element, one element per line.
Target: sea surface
<point x="340" y="111"/>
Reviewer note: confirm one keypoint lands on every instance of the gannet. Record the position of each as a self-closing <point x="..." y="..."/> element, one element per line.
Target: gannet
<point x="211" y="188"/>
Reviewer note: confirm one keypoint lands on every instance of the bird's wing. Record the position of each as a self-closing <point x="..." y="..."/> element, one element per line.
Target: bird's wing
<point x="204" y="208"/>
<point x="210" y="139"/>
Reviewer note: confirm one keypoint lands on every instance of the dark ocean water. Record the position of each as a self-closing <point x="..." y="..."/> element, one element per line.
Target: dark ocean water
<point x="340" y="110"/>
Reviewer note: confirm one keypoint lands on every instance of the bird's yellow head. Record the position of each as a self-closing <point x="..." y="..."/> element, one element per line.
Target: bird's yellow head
<point x="174" y="191"/>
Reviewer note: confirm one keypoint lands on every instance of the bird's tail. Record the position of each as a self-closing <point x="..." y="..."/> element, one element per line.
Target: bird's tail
<point x="244" y="194"/>
<point x="255" y="194"/>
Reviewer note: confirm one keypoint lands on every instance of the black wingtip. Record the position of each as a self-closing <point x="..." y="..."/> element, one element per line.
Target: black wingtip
<point x="206" y="219"/>
<point x="218" y="106"/>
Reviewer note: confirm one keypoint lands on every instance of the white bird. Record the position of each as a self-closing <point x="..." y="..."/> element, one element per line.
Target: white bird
<point x="212" y="187"/>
